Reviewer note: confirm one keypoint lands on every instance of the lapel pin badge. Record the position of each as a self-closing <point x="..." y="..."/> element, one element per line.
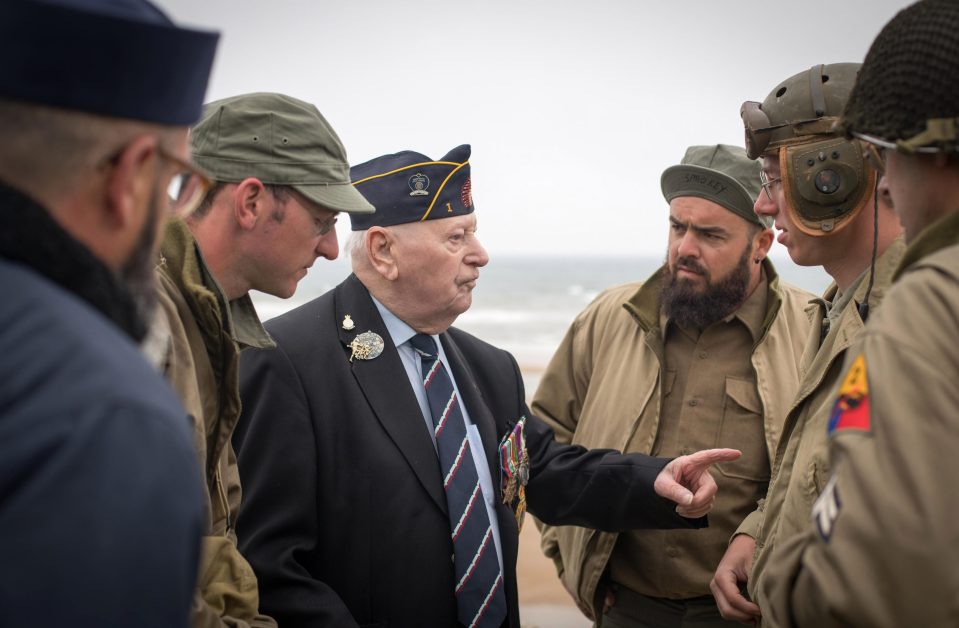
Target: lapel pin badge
<point x="348" y="323"/>
<point x="366" y="346"/>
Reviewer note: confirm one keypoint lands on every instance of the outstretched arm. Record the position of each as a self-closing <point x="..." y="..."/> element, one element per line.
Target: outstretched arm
<point x="687" y="482"/>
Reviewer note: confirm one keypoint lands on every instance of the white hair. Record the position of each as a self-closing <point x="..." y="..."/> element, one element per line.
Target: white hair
<point x="355" y="246"/>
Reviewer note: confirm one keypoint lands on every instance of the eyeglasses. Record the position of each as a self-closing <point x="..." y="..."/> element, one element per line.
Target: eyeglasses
<point x="768" y="183"/>
<point x="321" y="227"/>
<point x="188" y="186"/>
<point x="874" y="150"/>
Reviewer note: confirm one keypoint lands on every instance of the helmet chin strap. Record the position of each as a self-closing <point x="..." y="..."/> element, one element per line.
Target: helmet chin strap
<point x="864" y="306"/>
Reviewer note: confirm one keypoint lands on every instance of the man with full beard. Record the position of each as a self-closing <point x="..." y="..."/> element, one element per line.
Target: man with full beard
<point x="704" y="353"/>
<point x="100" y="508"/>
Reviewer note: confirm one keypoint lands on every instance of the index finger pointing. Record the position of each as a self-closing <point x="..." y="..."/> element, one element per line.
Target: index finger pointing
<point x="708" y="457"/>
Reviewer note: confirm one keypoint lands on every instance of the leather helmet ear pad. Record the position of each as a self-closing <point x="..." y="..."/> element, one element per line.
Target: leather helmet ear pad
<point x="826" y="183"/>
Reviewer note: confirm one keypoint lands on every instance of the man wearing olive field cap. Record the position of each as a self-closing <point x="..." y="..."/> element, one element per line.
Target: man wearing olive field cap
<point x="703" y="353"/>
<point x="279" y="178"/>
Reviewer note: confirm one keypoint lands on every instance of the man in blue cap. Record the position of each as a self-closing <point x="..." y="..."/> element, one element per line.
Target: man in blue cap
<point x="388" y="457"/>
<point x="100" y="504"/>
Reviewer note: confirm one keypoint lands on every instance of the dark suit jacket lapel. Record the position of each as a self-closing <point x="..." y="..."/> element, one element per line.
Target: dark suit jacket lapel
<point x="475" y="405"/>
<point x="387" y="388"/>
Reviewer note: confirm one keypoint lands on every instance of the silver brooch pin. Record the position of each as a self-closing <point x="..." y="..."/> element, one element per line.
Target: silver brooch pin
<point x="348" y="323"/>
<point x="366" y="346"/>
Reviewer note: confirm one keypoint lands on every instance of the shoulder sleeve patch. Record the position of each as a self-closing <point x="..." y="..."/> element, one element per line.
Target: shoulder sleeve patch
<point x="851" y="410"/>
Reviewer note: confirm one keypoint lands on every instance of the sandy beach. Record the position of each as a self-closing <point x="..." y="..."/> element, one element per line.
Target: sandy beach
<point x="543" y="601"/>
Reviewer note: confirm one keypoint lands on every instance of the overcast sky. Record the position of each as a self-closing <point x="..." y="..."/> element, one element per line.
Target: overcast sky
<point x="573" y="109"/>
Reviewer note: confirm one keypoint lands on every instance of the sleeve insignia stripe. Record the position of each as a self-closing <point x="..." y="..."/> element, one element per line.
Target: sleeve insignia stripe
<point x="826" y="509"/>
<point x="851" y="410"/>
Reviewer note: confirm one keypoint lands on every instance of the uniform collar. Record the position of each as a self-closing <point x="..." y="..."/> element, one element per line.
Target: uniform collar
<point x="30" y="236"/>
<point x="399" y="331"/>
<point x="240" y="317"/>
<point x="646" y="305"/>
<point x="752" y="313"/>
<point x="183" y="261"/>
<point x="940" y="234"/>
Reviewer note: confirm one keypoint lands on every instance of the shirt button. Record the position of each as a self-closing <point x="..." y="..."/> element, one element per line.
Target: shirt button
<point x="672" y="552"/>
<point x="702" y="355"/>
<point x="453" y="558"/>
<point x="694" y="402"/>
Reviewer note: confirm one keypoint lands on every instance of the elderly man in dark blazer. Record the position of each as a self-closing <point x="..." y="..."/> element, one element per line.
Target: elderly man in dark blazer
<point x="387" y="457"/>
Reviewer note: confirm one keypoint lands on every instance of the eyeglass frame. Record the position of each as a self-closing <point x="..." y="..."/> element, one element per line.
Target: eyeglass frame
<point x="320" y="227"/>
<point x="189" y="170"/>
<point x="767" y="183"/>
<point x="871" y="153"/>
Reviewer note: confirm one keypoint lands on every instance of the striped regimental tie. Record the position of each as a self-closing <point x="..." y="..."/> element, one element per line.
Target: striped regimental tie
<point x="480" y="599"/>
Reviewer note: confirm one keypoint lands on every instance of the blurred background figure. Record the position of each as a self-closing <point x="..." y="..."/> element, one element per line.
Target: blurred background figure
<point x="100" y="508"/>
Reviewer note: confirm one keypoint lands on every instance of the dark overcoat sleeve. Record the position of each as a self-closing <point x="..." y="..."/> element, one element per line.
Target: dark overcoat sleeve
<point x="570" y="485"/>
<point x="279" y="525"/>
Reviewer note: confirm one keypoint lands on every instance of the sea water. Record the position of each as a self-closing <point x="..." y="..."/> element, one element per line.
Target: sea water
<point x="525" y="305"/>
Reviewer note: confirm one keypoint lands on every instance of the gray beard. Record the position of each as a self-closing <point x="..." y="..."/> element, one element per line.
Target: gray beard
<point x="690" y="308"/>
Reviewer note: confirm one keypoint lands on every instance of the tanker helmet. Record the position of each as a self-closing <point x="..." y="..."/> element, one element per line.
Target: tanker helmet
<point x="825" y="178"/>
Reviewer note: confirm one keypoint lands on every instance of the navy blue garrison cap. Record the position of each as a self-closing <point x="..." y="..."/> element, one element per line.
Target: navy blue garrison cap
<point x="116" y="58"/>
<point x="410" y="187"/>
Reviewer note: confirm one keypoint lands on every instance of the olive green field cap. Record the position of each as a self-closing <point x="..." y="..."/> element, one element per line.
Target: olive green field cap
<point x="719" y="173"/>
<point x="279" y="140"/>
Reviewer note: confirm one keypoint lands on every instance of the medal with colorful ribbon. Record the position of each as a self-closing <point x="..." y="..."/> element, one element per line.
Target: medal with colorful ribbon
<point x="514" y="467"/>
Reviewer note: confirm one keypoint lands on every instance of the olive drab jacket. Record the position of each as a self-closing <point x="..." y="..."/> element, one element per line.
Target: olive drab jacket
<point x="202" y="366"/>
<point x="801" y="466"/>
<point x="609" y="370"/>
<point x="881" y="548"/>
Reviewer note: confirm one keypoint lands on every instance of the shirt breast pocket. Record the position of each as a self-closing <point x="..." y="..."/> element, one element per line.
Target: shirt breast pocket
<point x="742" y="428"/>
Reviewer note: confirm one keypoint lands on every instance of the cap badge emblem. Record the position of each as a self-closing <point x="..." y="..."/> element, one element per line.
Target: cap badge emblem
<point x="419" y="184"/>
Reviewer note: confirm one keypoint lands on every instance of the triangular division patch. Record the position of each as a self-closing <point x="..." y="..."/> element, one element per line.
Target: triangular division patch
<point x="851" y="411"/>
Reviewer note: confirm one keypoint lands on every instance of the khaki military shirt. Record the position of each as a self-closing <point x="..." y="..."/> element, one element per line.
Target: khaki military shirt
<point x="709" y="400"/>
<point x="602" y="389"/>
<point x="881" y="547"/>
<point x="801" y="466"/>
